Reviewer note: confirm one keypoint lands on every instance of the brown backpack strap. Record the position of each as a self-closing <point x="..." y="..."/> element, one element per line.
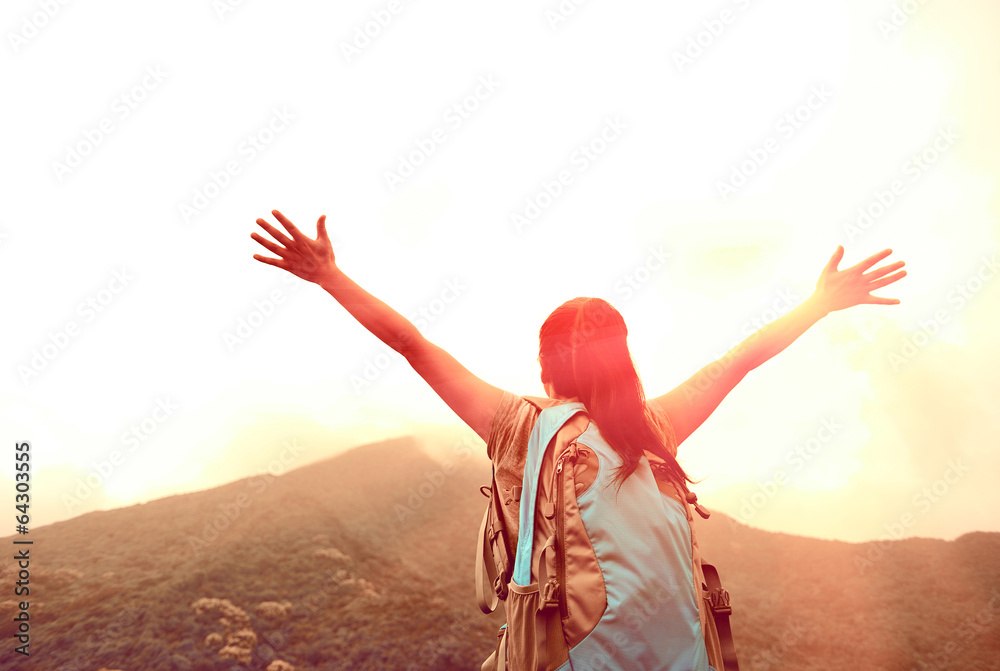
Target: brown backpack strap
<point x="492" y="575"/>
<point x="717" y="595"/>
<point x="502" y="656"/>
<point x="549" y="640"/>
<point x="486" y="571"/>
<point x="721" y="610"/>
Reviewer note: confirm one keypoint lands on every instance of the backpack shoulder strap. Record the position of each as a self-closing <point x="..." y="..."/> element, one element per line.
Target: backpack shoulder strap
<point x="494" y="554"/>
<point x="491" y="581"/>
<point x="715" y="596"/>
<point x="548" y="424"/>
<point x="719" y="600"/>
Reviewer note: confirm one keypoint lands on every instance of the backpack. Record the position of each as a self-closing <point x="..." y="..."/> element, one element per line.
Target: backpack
<point x="567" y="605"/>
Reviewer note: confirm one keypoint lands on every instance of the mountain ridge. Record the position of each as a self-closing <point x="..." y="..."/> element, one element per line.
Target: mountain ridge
<point x="373" y="552"/>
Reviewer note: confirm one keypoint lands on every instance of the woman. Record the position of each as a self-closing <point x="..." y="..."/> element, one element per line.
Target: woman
<point x="586" y="365"/>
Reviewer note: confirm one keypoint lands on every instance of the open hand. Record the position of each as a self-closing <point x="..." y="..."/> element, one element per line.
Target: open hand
<point x="839" y="289"/>
<point x="301" y="255"/>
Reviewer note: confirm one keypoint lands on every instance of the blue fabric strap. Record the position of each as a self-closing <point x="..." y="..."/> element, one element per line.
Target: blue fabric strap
<point x="549" y="421"/>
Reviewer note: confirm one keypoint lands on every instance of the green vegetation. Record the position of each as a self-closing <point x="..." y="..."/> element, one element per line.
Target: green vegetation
<point x="316" y="569"/>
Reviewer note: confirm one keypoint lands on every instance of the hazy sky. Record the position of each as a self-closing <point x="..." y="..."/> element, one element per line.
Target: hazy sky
<point x="479" y="165"/>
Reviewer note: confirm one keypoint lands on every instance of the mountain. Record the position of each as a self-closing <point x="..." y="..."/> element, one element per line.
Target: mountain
<point x="366" y="561"/>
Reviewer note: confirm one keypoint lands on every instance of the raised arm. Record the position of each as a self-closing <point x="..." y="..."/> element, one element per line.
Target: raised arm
<point x="472" y="399"/>
<point x="690" y="403"/>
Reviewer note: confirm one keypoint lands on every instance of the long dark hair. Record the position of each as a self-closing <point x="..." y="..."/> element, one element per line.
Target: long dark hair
<point x="582" y="345"/>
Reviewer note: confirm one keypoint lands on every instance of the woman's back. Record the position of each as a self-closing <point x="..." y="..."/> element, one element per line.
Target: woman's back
<point x="629" y="585"/>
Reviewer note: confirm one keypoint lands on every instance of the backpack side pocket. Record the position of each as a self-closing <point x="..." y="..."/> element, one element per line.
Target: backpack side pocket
<point x="534" y="640"/>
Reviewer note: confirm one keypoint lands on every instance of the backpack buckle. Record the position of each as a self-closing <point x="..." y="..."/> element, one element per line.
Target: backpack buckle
<point x="500" y="585"/>
<point x="550" y="594"/>
<point x="718" y="599"/>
